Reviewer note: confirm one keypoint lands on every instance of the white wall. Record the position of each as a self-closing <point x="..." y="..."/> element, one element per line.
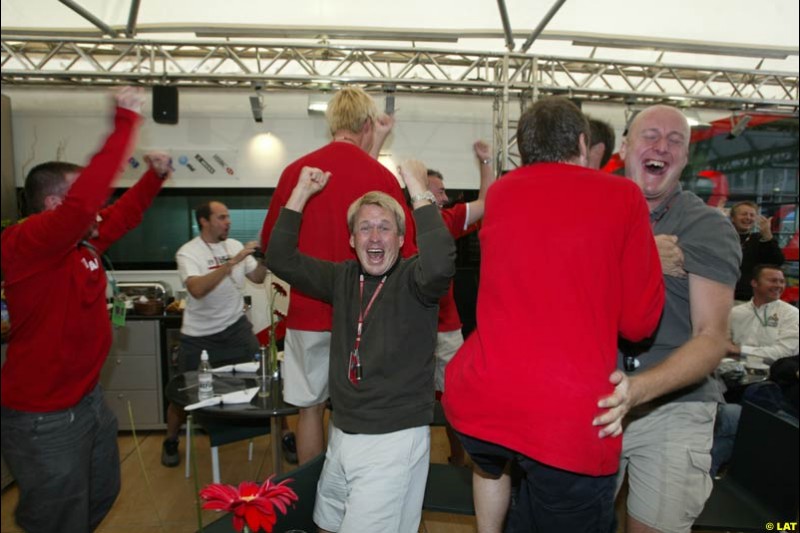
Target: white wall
<point x="70" y="125"/>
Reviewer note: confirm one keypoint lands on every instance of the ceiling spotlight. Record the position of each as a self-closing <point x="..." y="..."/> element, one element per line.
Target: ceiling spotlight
<point x="257" y="106"/>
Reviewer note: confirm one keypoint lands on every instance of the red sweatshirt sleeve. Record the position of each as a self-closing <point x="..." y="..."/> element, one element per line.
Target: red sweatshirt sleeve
<point x="127" y="212"/>
<point x="642" y="279"/>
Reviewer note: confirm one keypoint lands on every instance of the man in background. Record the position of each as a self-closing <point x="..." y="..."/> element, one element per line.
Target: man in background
<point x="213" y="268"/>
<point x="765" y="328"/>
<point x="460" y="219"/>
<point x="59" y="436"/>
<point x="353" y="120"/>
<point x="602" y="143"/>
<point x="758" y="247"/>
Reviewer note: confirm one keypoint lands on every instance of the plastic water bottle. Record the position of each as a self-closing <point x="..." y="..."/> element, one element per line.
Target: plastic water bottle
<point x="205" y="378"/>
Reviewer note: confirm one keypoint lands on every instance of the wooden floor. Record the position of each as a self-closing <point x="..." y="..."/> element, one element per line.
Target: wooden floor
<point x="170" y="507"/>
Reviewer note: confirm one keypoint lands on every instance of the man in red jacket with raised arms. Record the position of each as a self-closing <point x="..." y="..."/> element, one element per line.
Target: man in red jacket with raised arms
<point x="59" y="437"/>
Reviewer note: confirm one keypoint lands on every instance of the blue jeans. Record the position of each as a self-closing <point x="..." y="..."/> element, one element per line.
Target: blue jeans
<point x="66" y="464"/>
<point x="725" y="427"/>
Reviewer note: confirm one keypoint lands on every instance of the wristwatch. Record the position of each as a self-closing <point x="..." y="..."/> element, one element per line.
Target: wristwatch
<point x="427" y="195"/>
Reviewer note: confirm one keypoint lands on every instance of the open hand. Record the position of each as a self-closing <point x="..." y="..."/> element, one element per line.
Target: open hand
<point x="617" y="405"/>
<point x="482" y="150"/>
<point x="671" y="256"/>
<point x="765" y="227"/>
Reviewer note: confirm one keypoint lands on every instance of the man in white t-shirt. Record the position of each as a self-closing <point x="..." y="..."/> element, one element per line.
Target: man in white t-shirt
<point x="213" y="268"/>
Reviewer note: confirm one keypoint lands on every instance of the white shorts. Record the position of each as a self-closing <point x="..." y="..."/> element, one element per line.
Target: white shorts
<point x="306" y="358"/>
<point x="667" y="453"/>
<point x="447" y="344"/>
<point x="373" y="482"/>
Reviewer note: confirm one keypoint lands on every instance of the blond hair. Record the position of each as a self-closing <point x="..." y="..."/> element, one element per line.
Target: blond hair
<point x="382" y="200"/>
<point x="349" y="109"/>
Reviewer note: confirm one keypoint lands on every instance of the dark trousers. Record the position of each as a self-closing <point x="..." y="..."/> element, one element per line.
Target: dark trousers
<point x="234" y="344"/>
<point x="548" y="499"/>
<point x="551" y="500"/>
<point x="66" y="464"/>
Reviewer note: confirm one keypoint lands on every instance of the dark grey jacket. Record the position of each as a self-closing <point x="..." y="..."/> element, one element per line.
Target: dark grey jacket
<point x="399" y="337"/>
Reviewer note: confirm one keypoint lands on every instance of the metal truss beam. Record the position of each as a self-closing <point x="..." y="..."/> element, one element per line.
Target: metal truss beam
<point x="212" y="64"/>
<point x="511" y="79"/>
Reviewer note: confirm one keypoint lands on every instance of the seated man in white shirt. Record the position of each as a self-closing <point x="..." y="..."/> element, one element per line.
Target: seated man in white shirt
<point x="765" y="328"/>
<point x="762" y="331"/>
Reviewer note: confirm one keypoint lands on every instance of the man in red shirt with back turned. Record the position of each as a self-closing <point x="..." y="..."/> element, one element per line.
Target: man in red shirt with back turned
<point x="526" y="384"/>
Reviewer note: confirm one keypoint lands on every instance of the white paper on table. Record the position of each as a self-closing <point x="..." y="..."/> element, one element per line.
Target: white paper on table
<point x="239" y="367"/>
<point x="239" y="396"/>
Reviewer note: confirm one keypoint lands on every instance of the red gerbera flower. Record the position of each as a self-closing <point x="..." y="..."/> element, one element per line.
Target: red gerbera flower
<point x="250" y="503"/>
<point x="277" y="287"/>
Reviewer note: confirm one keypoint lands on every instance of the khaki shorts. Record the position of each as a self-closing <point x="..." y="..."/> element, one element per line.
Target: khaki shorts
<point x="447" y="344"/>
<point x="305" y="367"/>
<point x="667" y="454"/>
<point x="373" y="482"/>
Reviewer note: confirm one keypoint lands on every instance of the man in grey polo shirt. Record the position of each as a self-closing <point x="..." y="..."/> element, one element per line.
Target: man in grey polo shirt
<point x="669" y="430"/>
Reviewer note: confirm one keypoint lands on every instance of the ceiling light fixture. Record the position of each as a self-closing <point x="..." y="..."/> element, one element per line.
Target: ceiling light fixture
<point x="257" y="107"/>
<point x="318" y="103"/>
<point x="257" y="102"/>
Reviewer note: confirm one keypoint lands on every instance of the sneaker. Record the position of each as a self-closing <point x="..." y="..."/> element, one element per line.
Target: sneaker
<point x="169" y="453"/>
<point x="289" y="446"/>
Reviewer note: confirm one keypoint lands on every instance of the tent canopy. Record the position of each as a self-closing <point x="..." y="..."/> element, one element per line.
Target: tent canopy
<point x="578" y="28"/>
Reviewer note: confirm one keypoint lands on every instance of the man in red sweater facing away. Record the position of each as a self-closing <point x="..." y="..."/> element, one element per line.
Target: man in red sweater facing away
<point x="354" y="124"/>
<point x="527" y="382"/>
<point x="59" y="437"/>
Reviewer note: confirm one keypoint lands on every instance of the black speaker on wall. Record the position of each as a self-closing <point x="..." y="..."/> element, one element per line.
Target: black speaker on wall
<point x="165" y="104"/>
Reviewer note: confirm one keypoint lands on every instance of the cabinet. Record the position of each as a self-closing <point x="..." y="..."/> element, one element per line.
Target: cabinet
<point x="132" y="374"/>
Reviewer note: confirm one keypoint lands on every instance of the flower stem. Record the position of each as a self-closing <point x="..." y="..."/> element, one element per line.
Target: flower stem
<point x="197" y="503"/>
<point x="144" y="470"/>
